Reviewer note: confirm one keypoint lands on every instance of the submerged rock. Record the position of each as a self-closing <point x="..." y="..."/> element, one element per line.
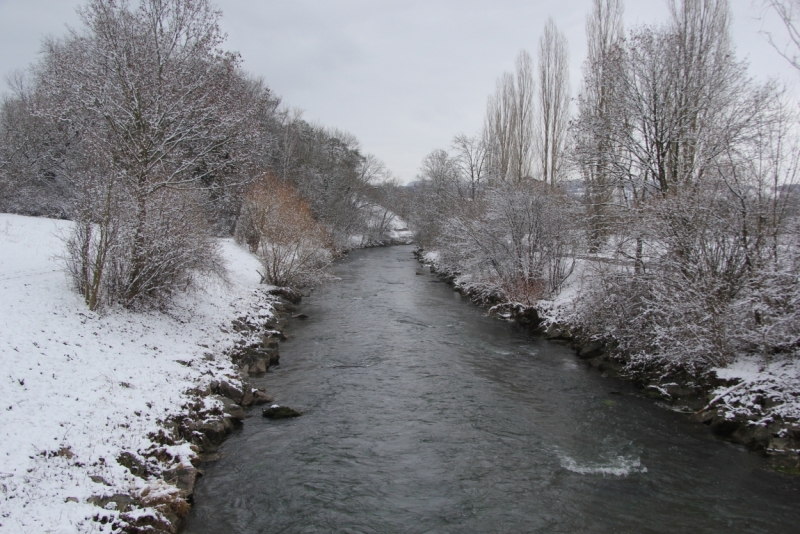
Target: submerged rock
<point x="292" y="295"/>
<point x="280" y="412"/>
<point x="590" y="349"/>
<point x="259" y="397"/>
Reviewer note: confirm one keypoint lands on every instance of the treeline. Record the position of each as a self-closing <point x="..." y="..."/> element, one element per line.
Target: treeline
<point x="667" y="202"/>
<point x="142" y="129"/>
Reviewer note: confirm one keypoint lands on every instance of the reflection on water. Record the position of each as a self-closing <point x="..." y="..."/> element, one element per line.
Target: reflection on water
<point x="423" y="415"/>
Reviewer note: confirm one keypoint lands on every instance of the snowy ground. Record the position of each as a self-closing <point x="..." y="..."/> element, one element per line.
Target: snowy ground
<point x="399" y="232"/>
<point x="77" y="389"/>
<point x="761" y="390"/>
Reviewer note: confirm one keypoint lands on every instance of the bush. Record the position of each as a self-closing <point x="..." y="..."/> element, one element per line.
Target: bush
<point x="519" y="238"/>
<point x="114" y="258"/>
<point x="276" y="224"/>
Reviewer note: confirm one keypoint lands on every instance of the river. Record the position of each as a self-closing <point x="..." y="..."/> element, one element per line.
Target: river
<point x="422" y="414"/>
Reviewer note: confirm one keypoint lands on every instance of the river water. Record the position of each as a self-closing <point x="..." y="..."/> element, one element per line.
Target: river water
<point x="423" y="415"/>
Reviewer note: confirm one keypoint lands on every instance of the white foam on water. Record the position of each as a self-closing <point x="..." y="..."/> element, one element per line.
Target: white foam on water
<point x="620" y="466"/>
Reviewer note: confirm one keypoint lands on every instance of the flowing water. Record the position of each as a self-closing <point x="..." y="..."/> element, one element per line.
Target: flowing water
<point x="421" y="414"/>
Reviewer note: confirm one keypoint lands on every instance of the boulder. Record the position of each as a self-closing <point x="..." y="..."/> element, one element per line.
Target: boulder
<point x="274" y="358"/>
<point x="269" y="343"/>
<point x="596" y="362"/>
<point x="122" y="502"/>
<point x="553" y="331"/>
<point x="97" y="479"/>
<point x="753" y="436"/>
<point x="212" y="432"/>
<point x="229" y="424"/>
<point x="207" y="457"/>
<point x="778" y="444"/>
<point x="278" y="334"/>
<point x="136" y="466"/>
<point x="722" y="426"/>
<point x="284" y="306"/>
<point x="184" y="478"/>
<point x="705" y="417"/>
<point x="231" y="409"/>
<point x="247" y="399"/>
<point x="231" y="392"/>
<point x="529" y="316"/>
<point x="259" y="367"/>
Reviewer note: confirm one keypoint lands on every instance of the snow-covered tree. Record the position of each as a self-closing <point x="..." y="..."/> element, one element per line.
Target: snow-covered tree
<point x="156" y="108"/>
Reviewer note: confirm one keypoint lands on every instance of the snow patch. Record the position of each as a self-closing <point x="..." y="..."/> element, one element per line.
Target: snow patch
<point x="763" y="391"/>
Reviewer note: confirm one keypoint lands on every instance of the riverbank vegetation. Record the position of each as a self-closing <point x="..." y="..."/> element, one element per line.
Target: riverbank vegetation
<point x="157" y="152"/>
<point x="143" y="130"/>
<point x="277" y="225"/>
<point x="659" y="217"/>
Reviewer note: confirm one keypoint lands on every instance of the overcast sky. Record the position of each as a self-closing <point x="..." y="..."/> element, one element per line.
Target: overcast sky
<point x="404" y="76"/>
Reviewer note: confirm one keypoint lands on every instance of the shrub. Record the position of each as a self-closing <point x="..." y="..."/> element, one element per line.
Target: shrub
<point x="277" y="225"/>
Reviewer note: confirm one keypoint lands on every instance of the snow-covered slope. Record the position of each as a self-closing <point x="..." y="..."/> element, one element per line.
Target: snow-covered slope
<point x="77" y="389"/>
<point x="399" y="232"/>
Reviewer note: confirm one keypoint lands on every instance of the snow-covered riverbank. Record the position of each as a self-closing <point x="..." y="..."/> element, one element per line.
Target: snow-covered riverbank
<point x="750" y="401"/>
<point x="79" y="390"/>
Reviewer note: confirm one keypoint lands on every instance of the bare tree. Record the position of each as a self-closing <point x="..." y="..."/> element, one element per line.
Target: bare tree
<point x="706" y="163"/>
<point x="706" y="80"/>
<point x="434" y="196"/>
<point x="499" y="127"/>
<point x="380" y="186"/>
<point x="290" y="125"/>
<point x="788" y="11"/>
<point x="471" y="159"/>
<point x="523" y="114"/>
<point x="509" y="123"/>
<point x="34" y="154"/>
<point x="675" y="105"/>
<point x="332" y="177"/>
<point x="594" y="152"/>
<point x="553" y="116"/>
